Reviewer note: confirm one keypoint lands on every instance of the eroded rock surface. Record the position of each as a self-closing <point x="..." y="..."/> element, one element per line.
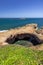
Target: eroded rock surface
<point x="29" y="32"/>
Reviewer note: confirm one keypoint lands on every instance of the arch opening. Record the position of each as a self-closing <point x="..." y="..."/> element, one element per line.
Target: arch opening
<point x="27" y="37"/>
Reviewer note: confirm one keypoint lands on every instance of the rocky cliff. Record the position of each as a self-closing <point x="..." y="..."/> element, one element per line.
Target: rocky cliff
<point x="28" y="32"/>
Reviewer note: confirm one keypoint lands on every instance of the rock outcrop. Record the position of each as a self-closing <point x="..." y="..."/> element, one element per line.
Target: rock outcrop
<point x="29" y="32"/>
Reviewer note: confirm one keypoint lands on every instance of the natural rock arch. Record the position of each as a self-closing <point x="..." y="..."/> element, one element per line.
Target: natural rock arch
<point x="29" y="37"/>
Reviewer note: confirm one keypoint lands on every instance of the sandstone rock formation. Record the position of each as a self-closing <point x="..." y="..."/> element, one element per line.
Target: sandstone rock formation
<point x="29" y="32"/>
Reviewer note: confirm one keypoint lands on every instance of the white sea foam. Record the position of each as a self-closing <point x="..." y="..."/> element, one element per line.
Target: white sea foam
<point x="3" y="30"/>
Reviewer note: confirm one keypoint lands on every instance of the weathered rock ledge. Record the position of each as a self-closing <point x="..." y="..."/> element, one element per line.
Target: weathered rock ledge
<point x="28" y="32"/>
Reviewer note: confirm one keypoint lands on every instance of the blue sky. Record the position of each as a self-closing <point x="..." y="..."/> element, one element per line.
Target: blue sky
<point x="21" y="8"/>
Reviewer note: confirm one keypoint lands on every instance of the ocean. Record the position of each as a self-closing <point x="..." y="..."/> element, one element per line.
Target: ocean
<point x="9" y="23"/>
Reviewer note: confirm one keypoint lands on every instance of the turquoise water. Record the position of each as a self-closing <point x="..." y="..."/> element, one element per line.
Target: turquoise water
<point x="8" y="23"/>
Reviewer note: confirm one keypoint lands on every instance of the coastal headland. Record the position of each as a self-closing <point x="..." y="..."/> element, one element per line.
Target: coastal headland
<point x="29" y="32"/>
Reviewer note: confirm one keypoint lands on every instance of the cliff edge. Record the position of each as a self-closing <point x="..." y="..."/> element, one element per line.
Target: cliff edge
<point x="28" y="32"/>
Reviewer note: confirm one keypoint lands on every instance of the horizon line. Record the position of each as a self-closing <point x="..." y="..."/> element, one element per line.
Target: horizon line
<point x="21" y="17"/>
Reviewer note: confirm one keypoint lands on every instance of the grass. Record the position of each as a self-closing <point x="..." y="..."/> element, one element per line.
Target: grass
<point x="24" y="43"/>
<point x="20" y="55"/>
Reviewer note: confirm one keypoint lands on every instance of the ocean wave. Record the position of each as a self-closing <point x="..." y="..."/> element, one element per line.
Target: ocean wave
<point x="3" y="30"/>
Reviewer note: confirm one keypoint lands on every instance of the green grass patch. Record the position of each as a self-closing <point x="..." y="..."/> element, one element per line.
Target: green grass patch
<point x="20" y="55"/>
<point x="24" y="43"/>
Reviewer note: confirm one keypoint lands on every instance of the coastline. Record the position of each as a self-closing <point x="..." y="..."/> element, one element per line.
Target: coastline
<point x="3" y="30"/>
<point x="27" y="31"/>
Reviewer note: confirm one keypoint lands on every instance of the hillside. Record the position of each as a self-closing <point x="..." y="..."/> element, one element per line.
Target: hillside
<point x="20" y="55"/>
<point x="22" y="46"/>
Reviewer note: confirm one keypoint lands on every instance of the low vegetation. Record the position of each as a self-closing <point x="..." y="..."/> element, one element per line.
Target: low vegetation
<point x="20" y="55"/>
